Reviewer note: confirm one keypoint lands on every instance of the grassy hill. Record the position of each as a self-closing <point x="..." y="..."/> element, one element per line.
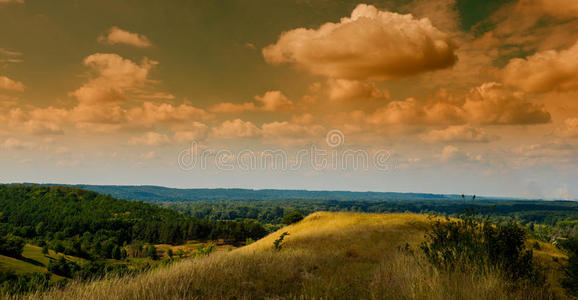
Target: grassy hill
<point x="327" y="255"/>
<point x="32" y="260"/>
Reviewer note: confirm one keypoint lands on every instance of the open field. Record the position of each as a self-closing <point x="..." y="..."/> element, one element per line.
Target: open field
<point x="327" y="255"/>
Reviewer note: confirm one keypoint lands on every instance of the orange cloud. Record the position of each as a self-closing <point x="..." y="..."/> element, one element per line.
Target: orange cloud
<point x="14" y="143"/>
<point x="271" y="101"/>
<point x="491" y="103"/>
<point x="371" y="44"/>
<point x="488" y="104"/>
<point x="10" y="85"/>
<point x="557" y="8"/>
<point x="460" y="133"/>
<point x="150" y="138"/>
<point x="11" y="1"/>
<point x="544" y="71"/>
<point x="116" y="35"/>
<point x="236" y="129"/>
<point x="343" y="89"/>
<point x="286" y="133"/>
<point x="274" y="101"/>
<point x="191" y="132"/>
<point x="227" y="107"/>
<point x="570" y="128"/>
<point x="154" y="113"/>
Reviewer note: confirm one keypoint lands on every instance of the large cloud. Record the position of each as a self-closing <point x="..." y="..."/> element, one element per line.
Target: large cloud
<point x="488" y="104"/>
<point x="119" y="36"/>
<point x="545" y="71"/>
<point x="369" y="44"/>
<point x="491" y="103"/>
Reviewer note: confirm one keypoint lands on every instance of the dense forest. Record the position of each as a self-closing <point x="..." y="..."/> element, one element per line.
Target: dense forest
<point x="272" y="211"/>
<point x="90" y="225"/>
<point x="269" y="206"/>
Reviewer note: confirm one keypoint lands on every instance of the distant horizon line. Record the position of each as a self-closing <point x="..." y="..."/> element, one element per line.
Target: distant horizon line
<point x="490" y="197"/>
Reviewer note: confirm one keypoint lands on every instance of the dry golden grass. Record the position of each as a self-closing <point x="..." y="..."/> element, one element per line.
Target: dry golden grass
<point x="327" y="255"/>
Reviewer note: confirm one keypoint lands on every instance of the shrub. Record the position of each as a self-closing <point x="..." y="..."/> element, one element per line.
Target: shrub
<point x="11" y="245"/>
<point x="63" y="267"/>
<point x="278" y="242"/>
<point x="472" y="243"/>
<point x="205" y="250"/>
<point x="11" y="284"/>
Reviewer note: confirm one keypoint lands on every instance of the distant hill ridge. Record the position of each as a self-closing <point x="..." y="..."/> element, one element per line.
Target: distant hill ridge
<point x="149" y="193"/>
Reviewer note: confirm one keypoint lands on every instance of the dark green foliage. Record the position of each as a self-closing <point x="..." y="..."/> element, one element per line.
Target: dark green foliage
<point x="152" y="252"/>
<point x="273" y="209"/>
<point x="473" y="243"/>
<point x="170" y="253"/>
<point x="63" y="267"/>
<point x="278" y="243"/>
<point x="89" y="225"/>
<point x="11" y="245"/>
<point x="570" y="281"/>
<point x="11" y="284"/>
<point x="205" y="250"/>
<point x="292" y="217"/>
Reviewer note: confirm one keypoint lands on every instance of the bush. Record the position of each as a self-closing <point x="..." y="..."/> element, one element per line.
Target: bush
<point x="292" y="217"/>
<point x="470" y="243"/>
<point x="11" y="245"/>
<point x="278" y="243"/>
<point x="63" y="267"/>
<point x="205" y="250"/>
<point x="11" y="284"/>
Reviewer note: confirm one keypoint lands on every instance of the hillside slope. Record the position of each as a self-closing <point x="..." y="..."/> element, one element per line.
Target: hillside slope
<point x="327" y="255"/>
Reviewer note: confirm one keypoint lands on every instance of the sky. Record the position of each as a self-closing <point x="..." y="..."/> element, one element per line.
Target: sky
<point x="447" y="96"/>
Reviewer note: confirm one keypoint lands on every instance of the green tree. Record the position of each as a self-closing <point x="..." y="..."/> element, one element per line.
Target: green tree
<point x="570" y="281"/>
<point x="292" y="217"/>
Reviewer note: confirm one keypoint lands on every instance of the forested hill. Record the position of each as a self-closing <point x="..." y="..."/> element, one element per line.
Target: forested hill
<point x="88" y="224"/>
<point x="164" y="194"/>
